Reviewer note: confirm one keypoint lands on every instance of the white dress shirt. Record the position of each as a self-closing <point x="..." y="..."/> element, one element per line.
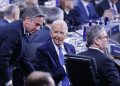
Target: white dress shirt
<point x="115" y="8"/>
<point x="85" y="5"/>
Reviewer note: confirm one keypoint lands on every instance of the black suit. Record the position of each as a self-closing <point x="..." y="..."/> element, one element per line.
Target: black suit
<point x="104" y="5"/>
<point x="106" y="67"/>
<point x="12" y="50"/>
<point x="42" y="35"/>
<point x="71" y="22"/>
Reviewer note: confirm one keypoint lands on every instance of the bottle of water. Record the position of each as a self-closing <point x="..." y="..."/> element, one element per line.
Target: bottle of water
<point x="90" y="22"/>
<point x="84" y="39"/>
<point x="10" y="1"/>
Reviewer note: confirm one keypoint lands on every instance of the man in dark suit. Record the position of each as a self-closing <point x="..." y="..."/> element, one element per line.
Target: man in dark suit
<point x="12" y="44"/>
<point x="66" y="6"/>
<point x="84" y="11"/>
<point x="43" y="34"/>
<point x="11" y="13"/>
<point x="107" y="4"/>
<point x="49" y="56"/>
<point x="41" y="2"/>
<point x="97" y="40"/>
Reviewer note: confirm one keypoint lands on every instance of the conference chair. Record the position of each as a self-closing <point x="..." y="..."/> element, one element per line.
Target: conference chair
<point x="82" y="70"/>
<point x="30" y="49"/>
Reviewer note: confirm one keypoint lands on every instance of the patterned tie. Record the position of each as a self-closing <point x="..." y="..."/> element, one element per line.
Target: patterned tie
<point x="65" y="81"/>
<point x="114" y="9"/>
<point x="90" y="14"/>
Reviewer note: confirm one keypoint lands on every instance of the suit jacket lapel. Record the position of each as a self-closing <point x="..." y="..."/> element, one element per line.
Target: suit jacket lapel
<point x="118" y="7"/>
<point x="67" y="49"/>
<point x="52" y="53"/>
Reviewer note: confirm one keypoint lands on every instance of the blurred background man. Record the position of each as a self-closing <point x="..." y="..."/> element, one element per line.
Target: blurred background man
<point x="11" y="13"/>
<point x="39" y="78"/>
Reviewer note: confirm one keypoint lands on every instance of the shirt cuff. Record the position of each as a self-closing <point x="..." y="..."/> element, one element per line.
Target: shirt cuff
<point x="8" y="83"/>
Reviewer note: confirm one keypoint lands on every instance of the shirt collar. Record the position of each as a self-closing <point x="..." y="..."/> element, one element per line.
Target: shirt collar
<point x="56" y="47"/>
<point x="48" y="26"/>
<point x="66" y="12"/>
<point x="8" y="20"/>
<point x="84" y="3"/>
<point x="25" y="31"/>
<point x="110" y="3"/>
<point x="96" y="49"/>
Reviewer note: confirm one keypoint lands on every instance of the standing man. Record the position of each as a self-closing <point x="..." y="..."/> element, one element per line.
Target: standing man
<point x="43" y="34"/>
<point x="97" y="40"/>
<point x="11" y="13"/>
<point x="50" y="55"/>
<point x="12" y="44"/>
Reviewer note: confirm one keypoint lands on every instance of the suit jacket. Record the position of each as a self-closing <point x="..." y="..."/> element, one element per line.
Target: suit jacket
<point x="3" y="22"/>
<point x="47" y="60"/>
<point x="12" y="50"/>
<point x="80" y="14"/>
<point x="41" y="2"/>
<point x="71" y="22"/>
<point x="42" y="35"/>
<point x="106" y="67"/>
<point x="104" y="5"/>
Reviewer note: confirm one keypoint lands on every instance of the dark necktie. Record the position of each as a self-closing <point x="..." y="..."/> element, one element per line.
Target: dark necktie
<point x="65" y="81"/>
<point x="90" y="14"/>
<point x="114" y="9"/>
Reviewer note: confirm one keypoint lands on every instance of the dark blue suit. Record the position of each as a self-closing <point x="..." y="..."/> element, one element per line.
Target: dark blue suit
<point x="106" y="67"/>
<point x="47" y="60"/>
<point x="12" y="50"/>
<point x="80" y="14"/>
<point x="3" y="22"/>
<point x="104" y="5"/>
<point x="42" y="35"/>
<point x="71" y="22"/>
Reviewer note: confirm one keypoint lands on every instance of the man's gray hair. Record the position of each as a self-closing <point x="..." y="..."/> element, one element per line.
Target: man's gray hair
<point x="21" y="4"/>
<point x="60" y="22"/>
<point x="32" y="12"/>
<point x="10" y="9"/>
<point x="93" y="32"/>
<point x="53" y="14"/>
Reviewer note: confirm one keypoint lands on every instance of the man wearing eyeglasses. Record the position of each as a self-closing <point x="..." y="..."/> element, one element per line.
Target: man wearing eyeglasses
<point x="97" y="40"/>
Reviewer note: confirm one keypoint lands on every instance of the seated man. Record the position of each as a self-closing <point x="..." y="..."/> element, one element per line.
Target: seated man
<point x="11" y="13"/>
<point x="84" y="11"/>
<point x="50" y="56"/>
<point x="97" y="40"/>
<point x="32" y="3"/>
<point x="107" y="4"/>
<point x="43" y="34"/>
<point x="39" y="78"/>
<point x="66" y="6"/>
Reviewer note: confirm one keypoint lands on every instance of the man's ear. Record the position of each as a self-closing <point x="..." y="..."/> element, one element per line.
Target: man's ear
<point x="97" y="41"/>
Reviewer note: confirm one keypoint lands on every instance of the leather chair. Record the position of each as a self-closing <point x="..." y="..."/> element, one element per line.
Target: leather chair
<point x="82" y="70"/>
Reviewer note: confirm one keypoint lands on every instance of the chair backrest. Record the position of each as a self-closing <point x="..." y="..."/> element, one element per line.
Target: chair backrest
<point x="81" y="70"/>
<point x="31" y="50"/>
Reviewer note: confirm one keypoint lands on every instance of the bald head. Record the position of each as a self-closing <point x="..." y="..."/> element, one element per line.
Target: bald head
<point x="60" y="23"/>
<point x="38" y="78"/>
<point x="12" y="12"/>
<point x="32" y="3"/>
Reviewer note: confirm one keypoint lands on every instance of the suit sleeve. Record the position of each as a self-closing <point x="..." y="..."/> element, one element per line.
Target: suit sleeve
<point x="110" y="72"/>
<point x="10" y="40"/>
<point x="43" y="63"/>
<point x="26" y="65"/>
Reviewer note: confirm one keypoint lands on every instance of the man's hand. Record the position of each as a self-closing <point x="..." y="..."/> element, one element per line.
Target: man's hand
<point x="109" y="13"/>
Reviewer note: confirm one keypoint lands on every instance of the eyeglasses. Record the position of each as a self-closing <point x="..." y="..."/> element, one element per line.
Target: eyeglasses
<point x="103" y="37"/>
